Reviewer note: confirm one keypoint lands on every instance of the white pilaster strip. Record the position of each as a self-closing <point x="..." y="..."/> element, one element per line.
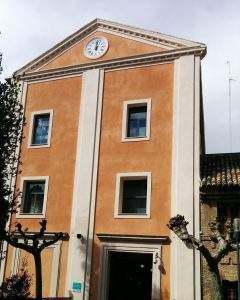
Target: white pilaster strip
<point x="83" y="207"/>
<point x="55" y="268"/>
<point x="182" y="198"/>
<point x="196" y="174"/>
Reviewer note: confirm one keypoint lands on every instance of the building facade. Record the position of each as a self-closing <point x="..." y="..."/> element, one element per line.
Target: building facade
<point x="111" y="153"/>
<point x="220" y="196"/>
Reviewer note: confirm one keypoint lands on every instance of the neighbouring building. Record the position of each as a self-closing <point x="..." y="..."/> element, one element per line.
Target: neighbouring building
<point x="111" y="152"/>
<point x="220" y="196"/>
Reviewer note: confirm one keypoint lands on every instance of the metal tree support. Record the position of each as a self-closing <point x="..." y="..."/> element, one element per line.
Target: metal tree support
<point x="236" y="229"/>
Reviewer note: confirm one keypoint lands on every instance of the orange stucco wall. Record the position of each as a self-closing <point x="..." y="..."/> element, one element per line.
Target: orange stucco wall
<point x="155" y="82"/>
<point x="118" y="47"/>
<point x="57" y="161"/>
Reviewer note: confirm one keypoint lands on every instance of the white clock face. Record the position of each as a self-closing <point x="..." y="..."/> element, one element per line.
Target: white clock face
<point x="96" y="48"/>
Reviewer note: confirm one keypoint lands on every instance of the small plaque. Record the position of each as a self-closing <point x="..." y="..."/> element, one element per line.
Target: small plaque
<point x="76" y="286"/>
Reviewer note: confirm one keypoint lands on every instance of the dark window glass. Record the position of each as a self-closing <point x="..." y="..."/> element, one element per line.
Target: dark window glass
<point x="228" y="211"/>
<point x="229" y="290"/>
<point x="40" y="129"/>
<point x="134" y="193"/>
<point x="33" y="197"/>
<point x="137" y="120"/>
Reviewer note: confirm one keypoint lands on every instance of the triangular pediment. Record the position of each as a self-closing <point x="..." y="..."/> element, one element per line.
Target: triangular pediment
<point x="124" y="41"/>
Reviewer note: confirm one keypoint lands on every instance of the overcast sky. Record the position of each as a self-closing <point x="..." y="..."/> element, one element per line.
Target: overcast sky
<point x="29" y="27"/>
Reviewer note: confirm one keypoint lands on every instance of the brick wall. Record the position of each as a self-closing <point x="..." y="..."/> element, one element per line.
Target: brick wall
<point x="227" y="266"/>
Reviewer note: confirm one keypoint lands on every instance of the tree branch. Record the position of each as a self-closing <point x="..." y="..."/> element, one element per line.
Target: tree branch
<point x="13" y="242"/>
<point x="178" y="225"/>
<point x="224" y="245"/>
<point x="202" y="248"/>
<point x="57" y="237"/>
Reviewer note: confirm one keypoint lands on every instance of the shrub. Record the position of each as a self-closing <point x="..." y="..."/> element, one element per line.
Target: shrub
<point x="17" y="286"/>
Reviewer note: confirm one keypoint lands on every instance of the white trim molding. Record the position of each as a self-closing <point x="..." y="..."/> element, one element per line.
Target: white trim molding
<point x="144" y="239"/>
<point x="196" y="173"/>
<point x="135" y="103"/>
<point x="118" y="194"/>
<point x="23" y="182"/>
<point x="55" y="267"/>
<point x="185" y="177"/>
<point x="144" y="248"/>
<point x="85" y="184"/>
<point x="113" y="64"/>
<point x="32" y="124"/>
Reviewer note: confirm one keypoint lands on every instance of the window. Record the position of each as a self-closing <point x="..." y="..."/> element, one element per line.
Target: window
<point x="132" y="197"/>
<point x="40" y="129"/>
<point x="228" y="211"/>
<point x="230" y="290"/>
<point x="136" y="120"/>
<point x="34" y="196"/>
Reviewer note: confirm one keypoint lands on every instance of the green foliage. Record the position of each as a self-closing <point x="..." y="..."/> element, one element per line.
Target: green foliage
<point x="17" y="286"/>
<point x="11" y="117"/>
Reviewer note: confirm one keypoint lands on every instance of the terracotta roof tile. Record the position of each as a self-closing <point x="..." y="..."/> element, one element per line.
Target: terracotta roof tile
<point x="220" y="171"/>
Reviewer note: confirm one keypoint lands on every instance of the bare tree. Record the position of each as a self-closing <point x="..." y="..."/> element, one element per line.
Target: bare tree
<point x="225" y="245"/>
<point x="34" y="243"/>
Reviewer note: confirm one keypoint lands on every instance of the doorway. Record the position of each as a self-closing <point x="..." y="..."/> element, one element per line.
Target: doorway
<point x="130" y="276"/>
<point x="128" y="268"/>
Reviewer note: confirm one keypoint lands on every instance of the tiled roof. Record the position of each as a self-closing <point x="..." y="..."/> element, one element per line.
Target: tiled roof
<point x="220" y="171"/>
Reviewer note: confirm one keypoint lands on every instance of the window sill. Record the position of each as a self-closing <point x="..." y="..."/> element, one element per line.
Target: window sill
<point x="38" y="146"/>
<point x="132" y="216"/>
<point x="135" y="139"/>
<point x="30" y="216"/>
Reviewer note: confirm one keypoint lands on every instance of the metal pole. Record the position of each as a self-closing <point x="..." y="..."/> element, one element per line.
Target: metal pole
<point x="230" y="104"/>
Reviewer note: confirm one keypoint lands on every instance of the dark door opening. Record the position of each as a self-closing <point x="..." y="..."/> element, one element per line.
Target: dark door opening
<point x="130" y="276"/>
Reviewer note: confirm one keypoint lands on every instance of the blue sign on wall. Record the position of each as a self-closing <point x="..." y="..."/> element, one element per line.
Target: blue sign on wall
<point x="76" y="286"/>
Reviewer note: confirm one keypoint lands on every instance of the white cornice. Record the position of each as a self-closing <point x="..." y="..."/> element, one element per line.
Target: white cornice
<point x="167" y="41"/>
<point x="138" y="60"/>
<point x="105" y="237"/>
<point x="157" y="37"/>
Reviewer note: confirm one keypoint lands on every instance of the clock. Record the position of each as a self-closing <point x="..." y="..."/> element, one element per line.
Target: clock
<point x="96" y="47"/>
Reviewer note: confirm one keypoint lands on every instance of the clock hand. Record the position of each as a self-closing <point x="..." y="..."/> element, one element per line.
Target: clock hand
<point x="96" y="45"/>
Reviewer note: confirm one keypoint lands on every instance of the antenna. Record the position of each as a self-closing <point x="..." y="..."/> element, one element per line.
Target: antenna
<point x="230" y="79"/>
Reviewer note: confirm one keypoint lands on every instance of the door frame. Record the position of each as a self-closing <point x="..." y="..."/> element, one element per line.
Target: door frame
<point x="105" y="250"/>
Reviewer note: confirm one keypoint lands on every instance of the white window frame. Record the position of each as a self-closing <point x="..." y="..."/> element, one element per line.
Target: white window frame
<point x="118" y="194"/>
<point x="135" y="103"/>
<point x="107" y="248"/>
<point x="22" y="189"/>
<point x="31" y="128"/>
